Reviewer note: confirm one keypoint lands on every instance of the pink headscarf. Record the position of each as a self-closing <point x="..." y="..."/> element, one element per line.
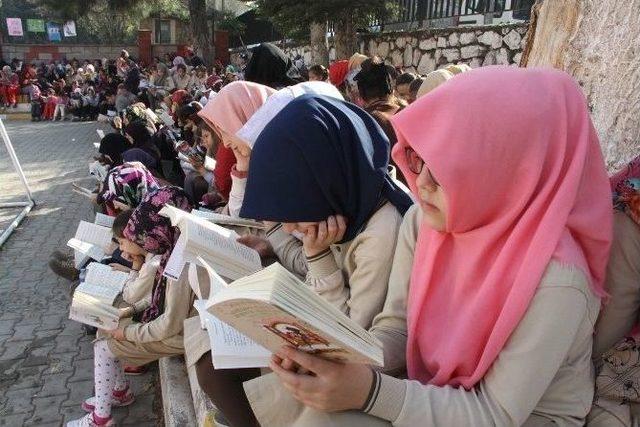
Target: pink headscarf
<point x="230" y="110"/>
<point x="525" y="182"/>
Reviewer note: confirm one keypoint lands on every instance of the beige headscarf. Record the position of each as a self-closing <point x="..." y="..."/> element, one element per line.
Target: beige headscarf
<point x="356" y="61"/>
<point x="458" y="68"/>
<point x="433" y="80"/>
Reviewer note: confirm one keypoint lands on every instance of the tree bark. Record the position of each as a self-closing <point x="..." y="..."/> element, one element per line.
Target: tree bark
<point x="319" y="51"/>
<point x="200" y="31"/>
<point x="345" y="36"/>
<point x="598" y="43"/>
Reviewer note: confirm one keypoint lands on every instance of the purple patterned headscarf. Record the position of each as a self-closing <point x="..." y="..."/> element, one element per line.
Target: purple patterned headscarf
<point x="155" y="234"/>
<point x="625" y="186"/>
<point x="128" y="183"/>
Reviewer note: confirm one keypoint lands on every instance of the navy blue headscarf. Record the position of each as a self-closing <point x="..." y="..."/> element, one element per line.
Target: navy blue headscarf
<point x="319" y="157"/>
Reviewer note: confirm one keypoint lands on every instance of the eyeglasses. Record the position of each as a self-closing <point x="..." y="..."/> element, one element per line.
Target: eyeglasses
<point x="416" y="164"/>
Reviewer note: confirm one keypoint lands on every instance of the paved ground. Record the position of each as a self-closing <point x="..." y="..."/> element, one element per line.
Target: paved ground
<point x="46" y="361"/>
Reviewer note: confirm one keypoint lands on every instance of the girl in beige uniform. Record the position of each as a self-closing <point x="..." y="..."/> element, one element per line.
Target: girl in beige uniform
<point x="496" y="279"/>
<point x="158" y="331"/>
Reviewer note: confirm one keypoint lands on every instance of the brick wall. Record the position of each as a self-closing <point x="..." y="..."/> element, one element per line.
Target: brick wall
<point x="44" y="53"/>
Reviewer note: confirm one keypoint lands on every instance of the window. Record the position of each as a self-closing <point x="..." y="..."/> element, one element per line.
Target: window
<point x="163" y="31"/>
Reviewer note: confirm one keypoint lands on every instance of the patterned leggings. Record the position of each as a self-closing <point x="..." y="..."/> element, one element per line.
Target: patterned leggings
<point x="108" y="377"/>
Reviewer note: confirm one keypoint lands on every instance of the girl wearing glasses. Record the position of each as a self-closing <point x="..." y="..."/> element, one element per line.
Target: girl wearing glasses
<point x="497" y="275"/>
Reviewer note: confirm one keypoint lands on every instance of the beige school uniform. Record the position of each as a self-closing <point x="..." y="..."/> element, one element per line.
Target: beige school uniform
<point x="542" y="377"/>
<point x="162" y="336"/>
<point x="619" y="315"/>
<point x="356" y="277"/>
<point x="136" y="292"/>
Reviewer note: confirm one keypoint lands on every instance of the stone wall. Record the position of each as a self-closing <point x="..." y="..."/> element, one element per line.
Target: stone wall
<point x="423" y="51"/>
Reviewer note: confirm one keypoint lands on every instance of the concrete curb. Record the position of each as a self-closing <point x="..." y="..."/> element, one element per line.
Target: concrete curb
<point x="177" y="402"/>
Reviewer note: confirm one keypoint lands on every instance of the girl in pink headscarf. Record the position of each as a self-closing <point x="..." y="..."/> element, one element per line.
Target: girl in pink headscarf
<point x="225" y="115"/>
<point x="498" y="271"/>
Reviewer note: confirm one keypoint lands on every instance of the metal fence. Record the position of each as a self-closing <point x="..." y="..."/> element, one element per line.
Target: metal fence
<point x="435" y="13"/>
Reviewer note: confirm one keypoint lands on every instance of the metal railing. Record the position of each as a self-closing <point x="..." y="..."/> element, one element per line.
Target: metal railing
<point x="429" y="13"/>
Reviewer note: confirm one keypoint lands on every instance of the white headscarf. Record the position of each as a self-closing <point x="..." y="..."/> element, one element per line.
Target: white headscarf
<point x="276" y="102"/>
<point x="178" y="60"/>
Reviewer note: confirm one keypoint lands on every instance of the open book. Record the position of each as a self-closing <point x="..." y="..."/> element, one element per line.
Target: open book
<point x="91" y="240"/>
<point x="215" y="244"/>
<point x="221" y="219"/>
<point x="232" y="348"/>
<point x="93" y="299"/>
<point x="273" y="308"/>
<point x="166" y="119"/>
<point x="104" y="220"/>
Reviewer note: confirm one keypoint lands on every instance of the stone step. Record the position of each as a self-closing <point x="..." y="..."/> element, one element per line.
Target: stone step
<point x="176" y="394"/>
<point x="184" y="402"/>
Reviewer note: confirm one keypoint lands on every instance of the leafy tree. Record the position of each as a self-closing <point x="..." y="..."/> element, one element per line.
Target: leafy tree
<point x="294" y="16"/>
<point x="124" y="11"/>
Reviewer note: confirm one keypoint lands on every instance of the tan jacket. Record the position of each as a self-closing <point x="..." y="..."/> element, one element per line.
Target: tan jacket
<point x="354" y="276"/>
<point x="137" y="289"/>
<point x="168" y="326"/>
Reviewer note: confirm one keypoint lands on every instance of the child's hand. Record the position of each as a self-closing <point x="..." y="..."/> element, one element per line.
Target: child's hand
<point x="126" y="312"/>
<point x="118" y="334"/>
<point x="318" y="238"/>
<point x="119" y="267"/>
<point x="136" y="262"/>
<point x="242" y="159"/>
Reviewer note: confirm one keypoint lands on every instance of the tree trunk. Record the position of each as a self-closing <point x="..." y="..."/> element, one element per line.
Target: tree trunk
<point x="597" y="42"/>
<point x="200" y="30"/>
<point x="319" y="52"/>
<point x="345" y="36"/>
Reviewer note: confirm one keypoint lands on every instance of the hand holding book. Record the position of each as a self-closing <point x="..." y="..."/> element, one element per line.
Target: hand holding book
<point x="328" y="386"/>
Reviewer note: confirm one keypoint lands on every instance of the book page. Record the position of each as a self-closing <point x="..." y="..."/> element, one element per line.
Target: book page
<point x="216" y="283"/>
<point x="88" y="249"/>
<point x="228" y="344"/>
<point x="105" y="276"/>
<point x="238" y="350"/>
<point x="104" y="220"/>
<point x="209" y="163"/>
<point x="100" y="133"/>
<point x="94" y="234"/>
<point x="174" y="214"/>
<point x="177" y="260"/>
<point x="105" y="294"/>
<point x="226" y="219"/>
<point x="216" y="238"/>
<point x="91" y="311"/>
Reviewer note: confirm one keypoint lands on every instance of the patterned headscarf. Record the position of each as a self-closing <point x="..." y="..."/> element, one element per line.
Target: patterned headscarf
<point x="129" y="184"/>
<point x="625" y="186"/>
<point x="155" y="234"/>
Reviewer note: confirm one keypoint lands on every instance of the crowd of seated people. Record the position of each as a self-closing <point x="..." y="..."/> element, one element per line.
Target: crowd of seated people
<point x="481" y="241"/>
<point x="81" y="90"/>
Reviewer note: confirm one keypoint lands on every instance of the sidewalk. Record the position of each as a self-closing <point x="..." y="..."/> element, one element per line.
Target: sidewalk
<point x="46" y="361"/>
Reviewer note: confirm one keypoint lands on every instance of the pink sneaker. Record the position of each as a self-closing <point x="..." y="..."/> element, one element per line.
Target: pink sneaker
<point x="118" y="399"/>
<point x="91" y="420"/>
<point x="135" y="370"/>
